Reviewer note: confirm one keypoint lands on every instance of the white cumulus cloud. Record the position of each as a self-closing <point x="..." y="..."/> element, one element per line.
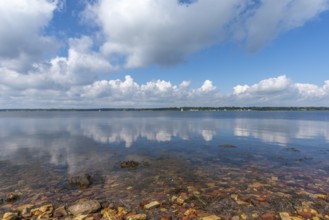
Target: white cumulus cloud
<point x="271" y="85"/>
<point x="282" y="91"/>
<point x="138" y="33"/>
<point x="35" y="92"/>
<point x="22" y="41"/>
<point x="163" y="93"/>
<point x="165" y="32"/>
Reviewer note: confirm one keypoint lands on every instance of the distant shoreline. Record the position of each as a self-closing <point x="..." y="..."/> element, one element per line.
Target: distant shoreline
<point x="180" y="109"/>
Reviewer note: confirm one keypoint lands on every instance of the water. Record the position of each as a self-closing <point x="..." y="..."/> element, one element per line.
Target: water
<point x="212" y="153"/>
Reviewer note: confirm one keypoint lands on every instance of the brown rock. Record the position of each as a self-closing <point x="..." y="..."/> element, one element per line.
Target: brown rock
<point x="261" y="199"/>
<point x="60" y="212"/>
<point x="84" y="207"/>
<point x="307" y="215"/>
<point x="10" y="216"/>
<point x="129" y="164"/>
<point x="268" y="216"/>
<point x="166" y="218"/>
<point x="82" y="181"/>
<point x="98" y="216"/>
<point x="12" y="197"/>
<point x="105" y="204"/>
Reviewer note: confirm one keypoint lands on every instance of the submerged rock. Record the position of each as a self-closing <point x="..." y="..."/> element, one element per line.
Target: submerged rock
<point x="137" y="217"/>
<point x="229" y="146"/>
<point x="211" y="217"/>
<point x="10" y="216"/>
<point x="43" y="212"/>
<point x="84" y="207"/>
<point x="82" y="181"/>
<point x="129" y="164"/>
<point x="12" y="197"/>
<point x="292" y="149"/>
<point x="25" y="210"/>
<point x="60" y="212"/>
<point x="153" y="204"/>
<point x="284" y="216"/>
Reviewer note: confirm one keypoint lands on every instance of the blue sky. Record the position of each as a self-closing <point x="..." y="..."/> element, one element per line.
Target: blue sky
<point x="147" y="53"/>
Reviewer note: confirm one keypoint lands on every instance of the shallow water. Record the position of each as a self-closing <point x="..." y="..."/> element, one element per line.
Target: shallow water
<point x="213" y="153"/>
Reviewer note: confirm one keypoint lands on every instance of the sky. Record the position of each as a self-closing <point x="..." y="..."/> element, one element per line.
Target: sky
<point x="163" y="53"/>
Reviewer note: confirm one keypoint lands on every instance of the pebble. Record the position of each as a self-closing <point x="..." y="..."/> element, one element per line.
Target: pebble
<point x="137" y="217"/>
<point x="10" y="216"/>
<point x="84" y="207"/>
<point x="211" y="217"/>
<point x="284" y="216"/>
<point x="83" y="181"/>
<point x="153" y="204"/>
<point x="24" y="207"/>
<point x="60" y="212"/>
<point x="80" y="217"/>
<point x="307" y="215"/>
<point x="268" y="216"/>
<point x="320" y="196"/>
<point x="12" y="197"/>
<point x="49" y="208"/>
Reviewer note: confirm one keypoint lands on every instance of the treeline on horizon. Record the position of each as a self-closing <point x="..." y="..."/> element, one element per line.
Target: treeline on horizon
<point x="232" y="108"/>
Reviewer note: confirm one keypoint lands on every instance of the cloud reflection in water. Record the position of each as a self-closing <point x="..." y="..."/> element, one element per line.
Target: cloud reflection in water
<point x="75" y="140"/>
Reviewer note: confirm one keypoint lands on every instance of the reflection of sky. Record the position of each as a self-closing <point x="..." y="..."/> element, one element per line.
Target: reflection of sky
<point x="65" y="140"/>
<point x="280" y="131"/>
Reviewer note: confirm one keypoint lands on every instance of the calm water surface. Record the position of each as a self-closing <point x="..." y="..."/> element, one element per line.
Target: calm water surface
<point x="228" y="151"/>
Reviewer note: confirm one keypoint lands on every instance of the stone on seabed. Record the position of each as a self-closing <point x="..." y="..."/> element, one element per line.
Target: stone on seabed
<point x="137" y="217"/>
<point x="268" y="216"/>
<point x="85" y="207"/>
<point x="284" y="216"/>
<point x="211" y="217"/>
<point x="47" y="208"/>
<point x="9" y="216"/>
<point x="83" y="181"/>
<point x="12" y="197"/>
<point x="60" y="212"/>
<point x="153" y="204"/>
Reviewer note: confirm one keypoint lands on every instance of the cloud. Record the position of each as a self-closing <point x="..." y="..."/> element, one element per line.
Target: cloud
<point x="34" y="92"/>
<point x="207" y="87"/>
<point x="22" y="41"/>
<point x="140" y="33"/>
<point x="281" y="91"/>
<point x="161" y="32"/>
<point x="70" y="138"/>
<point x="81" y="66"/>
<point x="271" y="18"/>
<point x="309" y="90"/>
<point x="127" y="92"/>
<point x="267" y="86"/>
<point x="165" y="32"/>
